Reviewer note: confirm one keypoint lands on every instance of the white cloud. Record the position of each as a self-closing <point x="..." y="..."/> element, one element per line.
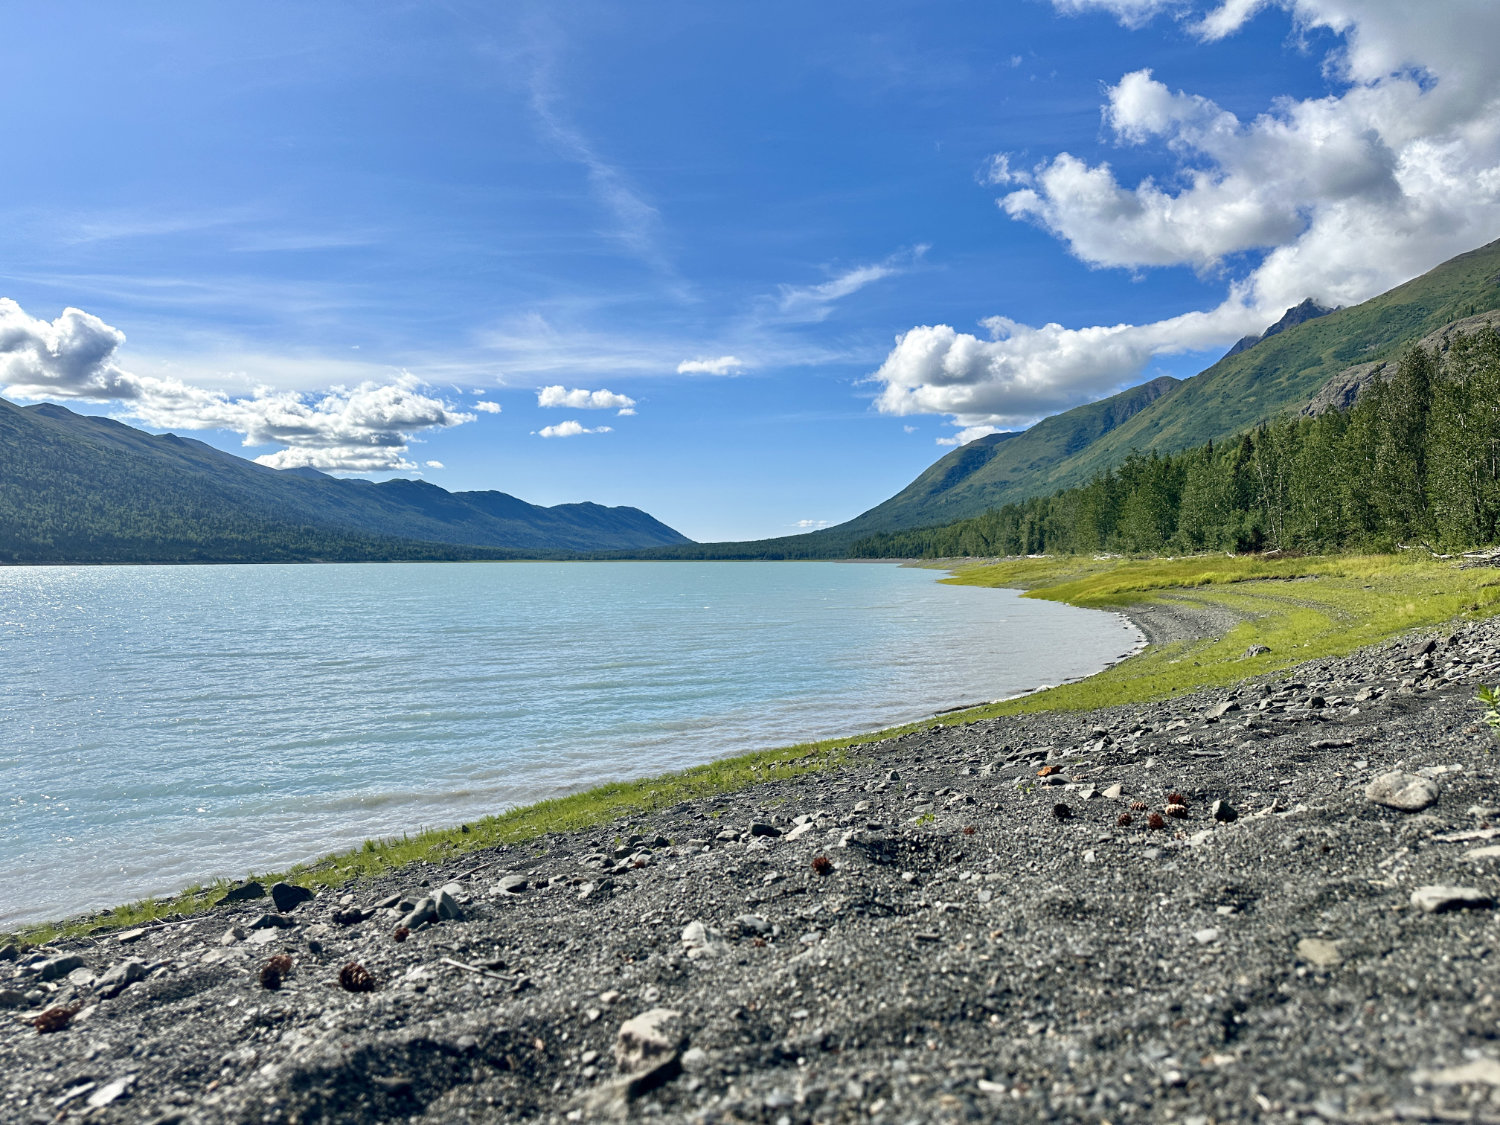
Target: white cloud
<point x="1337" y="198"/>
<point x="968" y="434"/>
<point x="580" y="399"/>
<point x="365" y="428"/>
<point x="704" y="365"/>
<point x="625" y="412"/>
<point x="487" y="407"/>
<point x="571" y="428"/>
<point x="434" y="464"/>
<point x="998" y="172"/>
<point x="811" y="525"/>
<point x="814" y="303"/>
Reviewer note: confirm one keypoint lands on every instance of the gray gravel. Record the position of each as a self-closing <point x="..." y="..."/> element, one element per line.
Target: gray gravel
<point x="984" y="943"/>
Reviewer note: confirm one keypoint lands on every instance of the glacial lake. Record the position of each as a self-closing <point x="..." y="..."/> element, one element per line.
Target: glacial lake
<point x="162" y="725"/>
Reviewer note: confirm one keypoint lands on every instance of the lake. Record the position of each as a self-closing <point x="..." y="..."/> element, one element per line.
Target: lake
<point x="162" y="725"/>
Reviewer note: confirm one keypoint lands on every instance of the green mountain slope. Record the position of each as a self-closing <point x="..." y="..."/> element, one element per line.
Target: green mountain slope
<point x="965" y="482"/>
<point x="85" y="489"/>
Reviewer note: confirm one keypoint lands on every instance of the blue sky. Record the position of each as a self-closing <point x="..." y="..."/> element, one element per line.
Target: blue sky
<point x="798" y="245"/>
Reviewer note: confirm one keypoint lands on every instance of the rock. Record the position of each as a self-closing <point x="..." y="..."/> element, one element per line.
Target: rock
<point x="649" y="1041"/>
<point x="1115" y="791"/>
<point x="1254" y="650"/>
<point x="105" y="1095"/>
<point x="1489" y="851"/>
<point x="424" y="913"/>
<point x="264" y="937"/>
<point x="120" y="977"/>
<point x="1219" y="710"/>
<point x="1404" y="791"/>
<point x="753" y="925"/>
<point x="1206" y="937"/>
<point x="801" y="830"/>
<point x="56" y="967"/>
<point x="1062" y="811"/>
<point x="244" y="892"/>
<point x="288" y="897"/>
<point x="447" y="906"/>
<point x="699" y="940"/>
<point x="1316" y="951"/>
<point x="512" y="885"/>
<point x="9" y="953"/>
<point x="1480" y="1072"/>
<point x="695" y="1059"/>
<point x="1440" y="899"/>
<point x="1222" y="811"/>
<point x="1422" y="648"/>
<point x="758" y="828"/>
<point x="10" y="998"/>
<point x="232" y="935"/>
<point x="129" y="937"/>
<point x="271" y="922"/>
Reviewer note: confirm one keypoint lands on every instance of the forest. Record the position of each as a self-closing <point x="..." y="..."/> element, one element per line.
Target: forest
<point x="1416" y="459"/>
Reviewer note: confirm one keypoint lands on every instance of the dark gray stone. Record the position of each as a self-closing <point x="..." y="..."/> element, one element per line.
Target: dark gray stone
<point x="288" y="897"/>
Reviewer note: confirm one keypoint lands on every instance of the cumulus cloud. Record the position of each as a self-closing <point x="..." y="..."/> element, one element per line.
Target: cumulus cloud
<point x="580" y="399"/>
<point x="1336" y="197"/>
<point x="486" y="407"/>
<point x="366" y="428"/>
<point x="434" y="464"/>
<point x="706" y="365"/>
<point x="570" y="428"/>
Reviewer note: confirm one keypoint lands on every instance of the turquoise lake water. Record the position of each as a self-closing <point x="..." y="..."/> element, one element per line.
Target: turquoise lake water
<point x="164" y="725"/>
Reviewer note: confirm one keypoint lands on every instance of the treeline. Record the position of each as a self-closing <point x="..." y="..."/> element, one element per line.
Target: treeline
<point x="1416" y="458"/>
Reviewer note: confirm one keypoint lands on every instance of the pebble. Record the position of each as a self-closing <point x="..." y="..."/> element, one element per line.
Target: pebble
<point x="648" y="1041"/>
<point x="1223" y="811"/>
<point x="1316" y="951"/>
<point x="512" y="885"/>
<point x="1405" y="791"/>
<point x="288" y="897"/>
<point x="106" y="1095"/>
<point x="120" y="977"/>
<point x="1439" y="899"/>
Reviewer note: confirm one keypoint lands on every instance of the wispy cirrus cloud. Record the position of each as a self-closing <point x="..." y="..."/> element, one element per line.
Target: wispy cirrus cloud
<point x="815" y="303"/>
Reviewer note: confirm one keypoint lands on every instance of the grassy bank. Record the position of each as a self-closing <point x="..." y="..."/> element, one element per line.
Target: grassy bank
<point x="1300" y="609"/>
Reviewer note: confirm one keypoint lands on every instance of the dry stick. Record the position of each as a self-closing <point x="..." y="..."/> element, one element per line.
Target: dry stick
<point x="476" y="969"/>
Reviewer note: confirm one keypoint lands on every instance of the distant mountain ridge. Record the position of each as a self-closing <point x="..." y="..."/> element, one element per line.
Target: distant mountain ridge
<point x="79" y="488"/>
<point x="1297" y="314"/>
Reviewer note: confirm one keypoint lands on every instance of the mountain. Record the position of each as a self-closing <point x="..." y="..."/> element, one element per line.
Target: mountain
<point x="1297" y="314"/>
<point x="76" y="488"/>
<point x="1285" y="369"/>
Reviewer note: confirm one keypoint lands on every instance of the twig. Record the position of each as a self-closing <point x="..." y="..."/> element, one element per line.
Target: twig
<point x="476" y="969"/>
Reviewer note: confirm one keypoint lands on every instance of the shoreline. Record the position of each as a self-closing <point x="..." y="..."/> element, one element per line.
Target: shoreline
<point x="969" y="952"/>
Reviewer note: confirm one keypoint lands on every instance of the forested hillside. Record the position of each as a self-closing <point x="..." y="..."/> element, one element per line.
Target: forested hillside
<point x="1416" y="458"/>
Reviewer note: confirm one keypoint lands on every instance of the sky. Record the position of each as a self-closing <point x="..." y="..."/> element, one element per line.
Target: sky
<point x="749" y="266"/>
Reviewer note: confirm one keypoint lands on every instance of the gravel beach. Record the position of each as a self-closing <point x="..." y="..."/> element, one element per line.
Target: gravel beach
<point x="1273" y="902"/>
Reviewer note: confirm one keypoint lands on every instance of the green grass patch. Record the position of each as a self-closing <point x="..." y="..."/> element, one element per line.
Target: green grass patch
<point x="1301" y="609"/>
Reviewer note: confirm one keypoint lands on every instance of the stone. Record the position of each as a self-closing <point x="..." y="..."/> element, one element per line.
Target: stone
<point x="1219" y="710"/>
<point x="1489" y="851"/>
<point x="264" y="937"/>
<point x="1316" y="951"/>
<point x="120" y="977"/>
<point x="1115" y="791"/>
<point x="446" y="904"/>
<point x="699" y="940"/>
<point x="10" y="998"/>
<point x="424" y="913"/>
<point x="105" y="1095"/>
<point x="1223" y="811"/>
<point x="753" y="925"/>
<point x="1480" y="1072"/>
<point x="801" y="830"/>
<point x="271" y="922"/>
<point x="1206" y="937"/>
<point x="1255" y="650"/>
<point x="9" y="953"/>
<point x="244" y="892"/>
<point x="1441" y="899"/>
<point x="1404" y="791"/>
<point x="512" y="885"/>
<point x="758" y="828"/>
<point x="288" y="897"/>
<point x="648" y="1041"/>
<point x="129" y="937"/>
<point x="56" y="967"/>
<point x="232" y="935"/>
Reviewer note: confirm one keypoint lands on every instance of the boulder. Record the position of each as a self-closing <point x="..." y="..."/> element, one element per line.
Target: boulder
<point x="288" y="897"/>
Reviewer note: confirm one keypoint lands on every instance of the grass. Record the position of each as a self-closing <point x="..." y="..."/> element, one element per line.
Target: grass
<point x="1301" y="609"/>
